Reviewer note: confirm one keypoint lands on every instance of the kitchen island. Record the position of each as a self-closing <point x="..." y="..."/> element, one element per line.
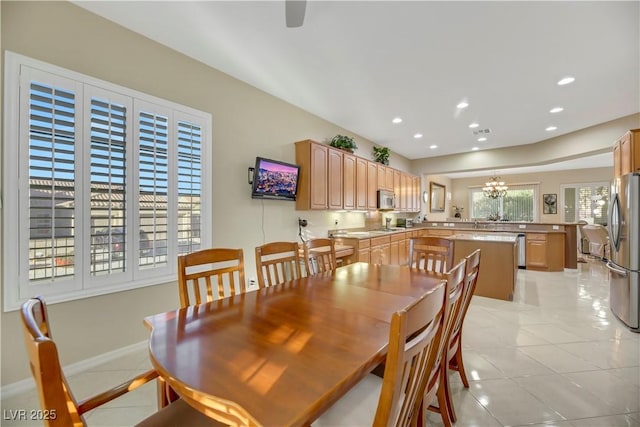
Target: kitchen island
<point x="498" y="261"/>
<point x="549" y="247"/>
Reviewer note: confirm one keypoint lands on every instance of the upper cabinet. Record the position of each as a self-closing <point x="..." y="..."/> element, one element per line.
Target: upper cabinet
<point x="312" y="187"/>
<point x="349" y="183"/>
<point x="626" y="153"/>
<point x="334" y="179"/>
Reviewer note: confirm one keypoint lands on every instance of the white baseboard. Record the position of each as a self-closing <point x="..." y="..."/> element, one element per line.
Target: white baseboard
<point x="23" y="386"/>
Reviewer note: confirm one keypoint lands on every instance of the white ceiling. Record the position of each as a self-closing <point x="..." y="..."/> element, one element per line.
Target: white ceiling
<point x="360" y="64"/>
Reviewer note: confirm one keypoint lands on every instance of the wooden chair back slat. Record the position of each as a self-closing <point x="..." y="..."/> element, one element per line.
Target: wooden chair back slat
<point x="431" y="253"/>
<point x="414" y="342"/>
<point x="212" y="267"/>
<point x="320" y="256"/>
<point x="437" y="385"/>
<point x="454" y="355"/>
<point x="277" y="262"/>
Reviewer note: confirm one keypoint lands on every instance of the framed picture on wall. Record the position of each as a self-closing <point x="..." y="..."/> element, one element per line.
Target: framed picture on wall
<point x="549" y="203"/>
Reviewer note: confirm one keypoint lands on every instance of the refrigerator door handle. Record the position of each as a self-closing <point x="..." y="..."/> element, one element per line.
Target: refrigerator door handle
<point x="616" y="221"/>
<point x="615" y="269"/>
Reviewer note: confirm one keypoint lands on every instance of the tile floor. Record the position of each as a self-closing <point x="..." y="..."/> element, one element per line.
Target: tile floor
<point x="555" y="356"/>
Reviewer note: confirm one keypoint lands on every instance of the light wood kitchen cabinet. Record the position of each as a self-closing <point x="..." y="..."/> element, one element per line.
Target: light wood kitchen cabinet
<point x="334" y="179"/>
<point x="364" y="251"/>
<point x="381" y="172"/>
<point x="389" y="178"/>
<point x="416" y="194"/>
<point x="380" y="250"/>
<point x="385" y="178"/>
<point x="372" y="185"/>
<point x="360" y="249"/>
<point x="544" y="251"/>
<point x="312" y="187"/>
<point x="404" y="192"/>
<point x="361" y="184"/>
<point x="404" y="250"/>
<point x="396" y="247"/>
<point x="617" y="163"/>
<point x="626" y="153"/>
<point x="349" y="187"/>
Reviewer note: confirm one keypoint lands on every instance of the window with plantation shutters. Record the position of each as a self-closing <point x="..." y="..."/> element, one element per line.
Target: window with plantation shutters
<point x="586" y="202"/>
<point x="109" y="185"/>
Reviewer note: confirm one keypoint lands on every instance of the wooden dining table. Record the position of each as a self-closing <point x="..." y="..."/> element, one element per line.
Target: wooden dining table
<point x="282" y="355"/>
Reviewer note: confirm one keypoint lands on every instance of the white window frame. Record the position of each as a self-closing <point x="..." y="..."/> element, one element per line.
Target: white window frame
<point x="16" y="285"/>
<point x="536" y="196"/>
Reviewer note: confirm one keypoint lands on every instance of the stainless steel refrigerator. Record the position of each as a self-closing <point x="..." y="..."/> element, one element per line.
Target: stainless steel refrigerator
<point x="624" y="240"/>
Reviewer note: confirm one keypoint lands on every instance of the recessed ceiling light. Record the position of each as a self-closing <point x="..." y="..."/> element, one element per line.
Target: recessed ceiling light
<point x="566" y="80"/>
<point x="473" y="125"/>
<point x="396" y="120"/>
<point x="433" y="147"/>
<point x="463" y="104"/>
<point x="556" y="109"/>
<point x="482" y="139"/>
<point x="550" y="128"/>
<point x="417" y="135"/>
<point x="475" y="149"/>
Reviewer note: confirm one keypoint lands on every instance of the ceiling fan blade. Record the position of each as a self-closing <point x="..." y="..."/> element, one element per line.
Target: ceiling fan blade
<point x="294" y="12"/>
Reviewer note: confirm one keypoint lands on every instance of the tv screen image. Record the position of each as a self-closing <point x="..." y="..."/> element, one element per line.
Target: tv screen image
<point x="273" y="179"/>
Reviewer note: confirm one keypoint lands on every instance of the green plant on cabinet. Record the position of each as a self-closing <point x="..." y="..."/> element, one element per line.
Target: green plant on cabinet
<point x="343" y="142"/>
<point x="381" y="155"/>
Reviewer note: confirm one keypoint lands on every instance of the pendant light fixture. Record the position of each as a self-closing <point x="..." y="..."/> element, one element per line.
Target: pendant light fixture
<point x="495" y="188"/>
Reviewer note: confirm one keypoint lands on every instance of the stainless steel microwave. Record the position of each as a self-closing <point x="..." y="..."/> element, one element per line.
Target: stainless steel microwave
<point x="386" y="200"/>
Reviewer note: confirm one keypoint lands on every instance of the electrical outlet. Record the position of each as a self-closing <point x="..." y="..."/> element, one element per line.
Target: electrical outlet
<point x="253" y="282"/>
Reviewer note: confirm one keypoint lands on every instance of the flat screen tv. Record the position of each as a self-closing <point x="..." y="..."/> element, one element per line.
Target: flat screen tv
<point x="273" y="179"/>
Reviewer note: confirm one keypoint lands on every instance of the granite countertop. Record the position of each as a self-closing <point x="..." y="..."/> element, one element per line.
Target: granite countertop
<point x="368" y="234"/>
<point x="494" y="237"/>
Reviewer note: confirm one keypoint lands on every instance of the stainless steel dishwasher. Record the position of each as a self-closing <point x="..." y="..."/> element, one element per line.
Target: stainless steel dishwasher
<point x="522" y="244"/>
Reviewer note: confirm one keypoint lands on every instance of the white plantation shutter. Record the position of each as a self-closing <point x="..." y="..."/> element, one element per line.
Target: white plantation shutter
<point x="51" y="182"/>
<point x="153" y="189"/>
<point x="189" y="186"/>
<point x="110" y="183"/>
<point x="586" y="202"/>
<point x="108" y="205"/>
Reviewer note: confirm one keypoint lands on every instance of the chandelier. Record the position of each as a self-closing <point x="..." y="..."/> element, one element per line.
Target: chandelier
<point x="494" y="188"/>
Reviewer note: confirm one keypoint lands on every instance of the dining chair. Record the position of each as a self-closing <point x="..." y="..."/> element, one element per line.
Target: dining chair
<point x="200" y="271"/>
<point x="319" y="256"/>
<point x="56" y="398"/>
<point x="454" y="352"/>
<point x="415" y="336"/>
<point x="431" y="253"/>
<point x="438" y="385"/>
<point x="277" y="262"/>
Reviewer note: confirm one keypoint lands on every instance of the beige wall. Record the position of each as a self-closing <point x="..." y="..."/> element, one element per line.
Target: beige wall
<point x="426" y="207"/>
<point x="592" y="140"/>
<point x="550" y="182"/>
<point x="246" y="123"/>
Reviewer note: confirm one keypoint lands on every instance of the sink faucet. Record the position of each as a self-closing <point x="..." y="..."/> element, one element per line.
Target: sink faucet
<point x="475" y="223"/>
<point x="387" y="221"/>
